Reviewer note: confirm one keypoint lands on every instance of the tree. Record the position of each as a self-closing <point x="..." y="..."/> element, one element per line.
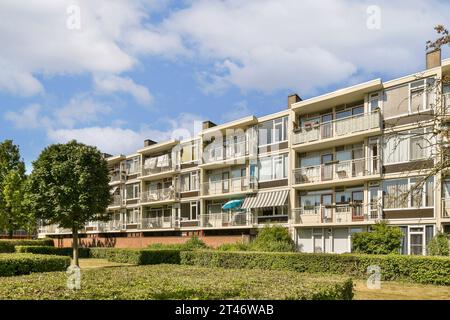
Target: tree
<point x="383" y="239"/>
<point x="12" y="177"/>
<point x="273" y="239"/>
<point x="439" y="245"/>
<point x="69" y="187"/>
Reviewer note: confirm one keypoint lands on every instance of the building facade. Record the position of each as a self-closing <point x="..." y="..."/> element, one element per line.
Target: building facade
<point x="325" y="168"/>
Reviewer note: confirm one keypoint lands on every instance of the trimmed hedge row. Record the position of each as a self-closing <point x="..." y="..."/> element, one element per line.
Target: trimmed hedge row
<point x="13" y="264"/>
<point x="137" y="256"/>
<point x="28" y="242"/>
<point x="435" y="270"/>
<point x="82" y="252"/>
<point x="6" y="247"/>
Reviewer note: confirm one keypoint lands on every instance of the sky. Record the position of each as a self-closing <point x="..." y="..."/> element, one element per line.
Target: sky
<point x="112" y="73"/>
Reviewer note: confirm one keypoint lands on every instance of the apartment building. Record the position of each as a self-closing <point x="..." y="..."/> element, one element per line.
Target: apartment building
<point x="325" y="168"/>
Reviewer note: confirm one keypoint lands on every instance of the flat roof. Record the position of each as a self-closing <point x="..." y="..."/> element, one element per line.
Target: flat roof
<point x="157" y="147"/>
<point x="232" y="124"/>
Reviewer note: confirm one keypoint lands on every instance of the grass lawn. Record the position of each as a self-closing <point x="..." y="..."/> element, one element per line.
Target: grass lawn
<point x="86" y="264"/>
<point x="393" y="290"/>
<point x="101" y="280"/>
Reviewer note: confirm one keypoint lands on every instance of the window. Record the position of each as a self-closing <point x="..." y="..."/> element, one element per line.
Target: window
<point x="132" y="216"/>
<point x="407" y="146"/>
<point x="189" y="181"/>
<point x="189" y="152"/>
<point x="133" y="165"/>
<point x="273" y="131"/>
<point x="374" y="101"/>
<point x="132" y="191"/>
<point x="396" y="195"/>
<point x="273" y="168"/>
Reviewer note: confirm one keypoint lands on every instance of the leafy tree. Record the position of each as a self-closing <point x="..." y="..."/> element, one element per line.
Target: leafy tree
<point x="439" y="245"/>
<point x="69" y="187"/>
<point x="12" y="177"/>
<point x="383" y="239"/>
<point x="273" y="239"/>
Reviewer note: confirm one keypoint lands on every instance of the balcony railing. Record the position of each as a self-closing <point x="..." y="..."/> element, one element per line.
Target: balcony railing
<point x="156" y="170"/>
<point x="231" y="185"/>
<point x="219" y="152"/>
<point x="117" y="177"/>
<point x="337" y="170"/>
<point x="231" y="219"/>
<point x="445" y="210"/>
<point x="116" y="201"/>
<point x="137" y="170"/>
<point x="157" y="222"/>
<point x="337" y="213"/>
<point x="158" y="195"/>
<point x="337" y="128"/>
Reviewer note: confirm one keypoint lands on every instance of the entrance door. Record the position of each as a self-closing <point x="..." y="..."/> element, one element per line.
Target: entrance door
<point x="326" y="128"/>
<point x="327" y="210"/>
<point x="326" y="168"/>
<point x="416" y="241"/>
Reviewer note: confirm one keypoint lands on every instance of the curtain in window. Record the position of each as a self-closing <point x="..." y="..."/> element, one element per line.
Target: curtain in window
<point x="396" y="149"/>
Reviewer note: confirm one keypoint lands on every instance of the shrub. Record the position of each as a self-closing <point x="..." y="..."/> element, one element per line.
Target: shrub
<point x="178" y="282"/>
<point x="238" y="246"/>
<point x="47" y="242"/>
<point x="6" y="247"/>
<point x="439" y="245"/>
<point x="13" y="264"/>
<point x="192" y="243"/>
<point x="273" y="239"/>
<point x="383" y="239"/>
<point x="137" y="256"/>
<point x="82" y="252"/>
<point x="419" y="269"/>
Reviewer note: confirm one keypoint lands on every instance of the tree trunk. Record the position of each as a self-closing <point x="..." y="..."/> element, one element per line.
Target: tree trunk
<point x="75" y="247"/>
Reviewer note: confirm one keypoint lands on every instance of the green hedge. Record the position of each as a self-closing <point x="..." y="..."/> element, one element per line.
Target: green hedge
<point x="82" y="252"/>
<point x="137" y="256"/>
<point x="6" y="247"/>
<point x="29" y="242"/>
<point x="13" y="264"/>
<point x="435" y="270"/>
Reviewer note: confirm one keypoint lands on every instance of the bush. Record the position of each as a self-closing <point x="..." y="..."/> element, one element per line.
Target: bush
<point x="273" y="239"/>
<point x="29" y="242"/>
<point x="193" y="243"/>
<point x="13" y="264"/>
<point x="439" y="245"/>
<point x="178" y="282"/>
<point x="82" y="252"/>
<point x="137" y="256"/>
<point x="238" y="246"/>
<point x="382" y="240"/>
<point x="6" y="247"/>
<point x="419" y="269"/>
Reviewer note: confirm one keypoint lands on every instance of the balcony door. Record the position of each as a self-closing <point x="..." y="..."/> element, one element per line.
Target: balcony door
<point x="225" y="182"/>
<point x="327" y="210"/>
<point x="326" y="168"/>
<point x="358" y="209"/>
<point x="359" y="163"/>
<point x="326" y="128"/>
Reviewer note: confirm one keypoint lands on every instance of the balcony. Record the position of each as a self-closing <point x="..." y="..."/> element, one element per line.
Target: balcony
<point x="158" y="170"/>
<point x="356" y="125"/>
<point x="116" y="201"/>
<point x="117" y="177"/>
<point x="228" y="186"/>
<point x="336" y="171"/>
<point x="336" y="214"/>
<point x="166" y="194"/>
<point x="231" y="219"/>
<point x="157" y="222"/>
<point x="218" y="155"/>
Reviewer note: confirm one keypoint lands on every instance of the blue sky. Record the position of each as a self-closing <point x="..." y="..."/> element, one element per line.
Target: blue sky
<point x="112" y="73"/>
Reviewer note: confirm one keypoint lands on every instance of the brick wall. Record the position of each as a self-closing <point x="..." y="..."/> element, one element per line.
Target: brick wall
<point x="142" y="242"/>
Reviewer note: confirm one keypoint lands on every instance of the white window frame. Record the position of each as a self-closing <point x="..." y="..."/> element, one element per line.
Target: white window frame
<point x="284" y="130"/>
<point x="272" y="158"/>
<point x="409" y="184"/>
<point x="408" y="146"/>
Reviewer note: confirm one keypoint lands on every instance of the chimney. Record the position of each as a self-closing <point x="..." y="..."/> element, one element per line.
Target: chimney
<point x="433" y="58"/>
<point x="208" y="124"/>
<point x="293" y="98"/>
<point x="148" y="142"/>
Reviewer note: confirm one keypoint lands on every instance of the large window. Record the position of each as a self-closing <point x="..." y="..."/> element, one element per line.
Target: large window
<point x="189" y="152"/>
<point x="189" y="181"/>
<point x="273" y="167"/>
<point x="273" y="131"/>
<point x="407" y="146"/>
<point x="396" y="193"/>
<point x="132" y="191"/>
<point x="133" y="165"/>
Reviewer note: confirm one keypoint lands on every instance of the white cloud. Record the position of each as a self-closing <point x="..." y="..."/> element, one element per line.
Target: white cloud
<point x="28" y="118"/>
<point x="115" y="140"/>
<point x="306" y="46"/>
<point x="111" y="84"/>
<point x="239" y="110"/>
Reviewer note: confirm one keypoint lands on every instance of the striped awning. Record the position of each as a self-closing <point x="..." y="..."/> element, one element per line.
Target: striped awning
<point x="266" y="199"/>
